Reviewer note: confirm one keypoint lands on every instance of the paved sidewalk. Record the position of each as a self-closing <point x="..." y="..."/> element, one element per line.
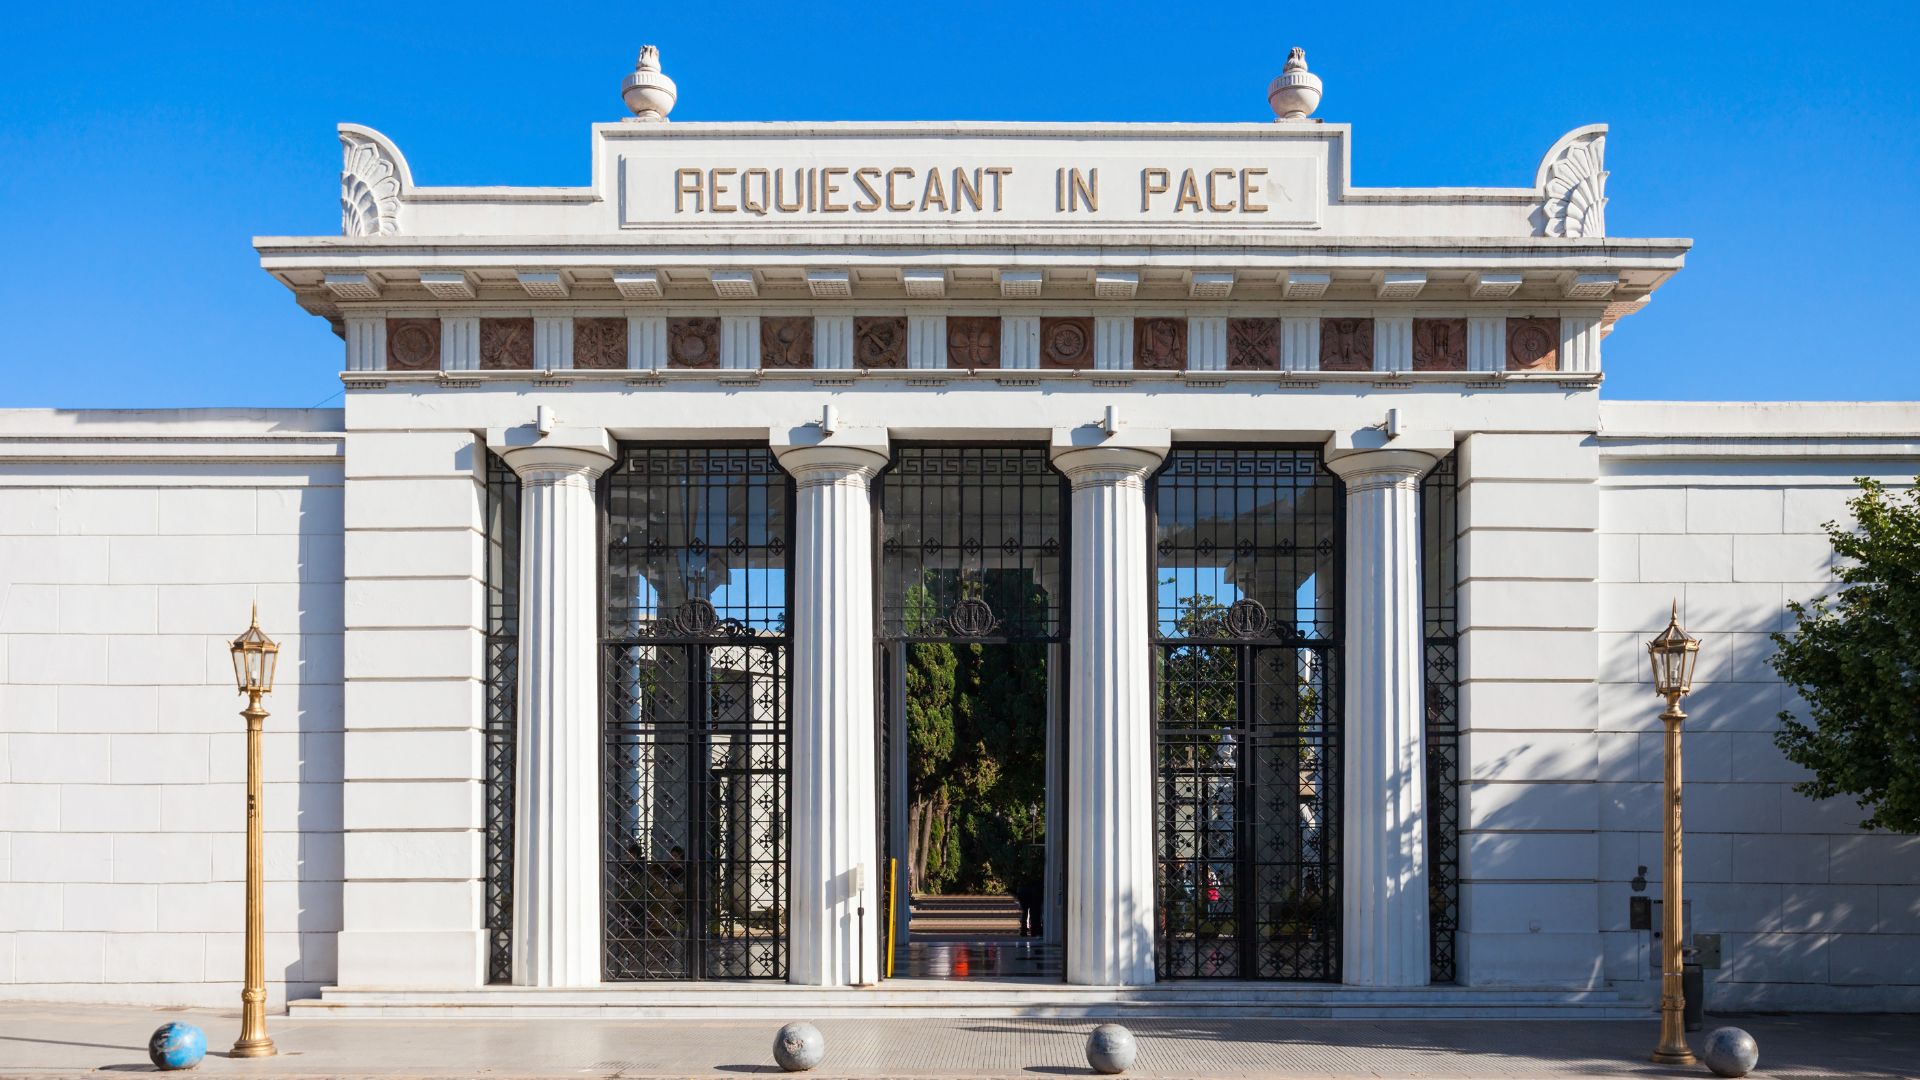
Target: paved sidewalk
<point x="72" y="1040"/>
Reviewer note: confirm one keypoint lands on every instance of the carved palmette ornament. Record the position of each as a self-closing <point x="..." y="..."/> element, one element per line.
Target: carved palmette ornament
<point x="413" y="344"/>
<point x="1160" y="344"/>
<point x="369" y="188"/>
<point x="506" y="344"/>
<point x="786" y="341"/>
<point x="1577" y="189"/>
<point x="973" y="341"/>
<point x="599" y="344"/>
<point x="1439" y="344"/>
<point x="1533" y="344"/>
<point x="1253" y="344"/>
<point x="693" y="343"/>
<point x="879" y="342"/>
<point x="1346" y="344"/>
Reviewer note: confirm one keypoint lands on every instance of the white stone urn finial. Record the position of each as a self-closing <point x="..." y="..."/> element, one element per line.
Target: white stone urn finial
<point x="647" y="92"/>
<point x="1296" y="93"/>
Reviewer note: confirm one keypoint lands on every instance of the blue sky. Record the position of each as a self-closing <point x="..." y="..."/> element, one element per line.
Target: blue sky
<point x="144" y="145"/>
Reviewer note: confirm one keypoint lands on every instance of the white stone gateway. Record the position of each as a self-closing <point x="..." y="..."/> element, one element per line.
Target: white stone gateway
<point x="601" y="594"/>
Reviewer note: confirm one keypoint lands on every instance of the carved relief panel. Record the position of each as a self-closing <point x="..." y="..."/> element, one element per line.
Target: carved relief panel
<point x="1346" y="344"/>
<point x="1253" y="344"/>
<point x="693" y="343"/>
<point x="786" y="341"/>
<point x="879" y="341"/>
<point x="506" y="344"/>
<point x="973" y="341"/>
<point x="1066" y="343"/>
<point x="1439" y="344"/>
<point x="1160" y="344"/>
<point x="413" y="344"/>
<point x="1533" y="344"/>
<point x="599" y="344"/>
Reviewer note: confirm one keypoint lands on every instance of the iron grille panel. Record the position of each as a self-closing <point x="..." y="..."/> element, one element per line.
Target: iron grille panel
<point x="972" y="545"/>
<point x="1247" y="720"/>
<point x="1440" y="530"/>
<point x="503" y="688"/>
<point x="694" y="666"/>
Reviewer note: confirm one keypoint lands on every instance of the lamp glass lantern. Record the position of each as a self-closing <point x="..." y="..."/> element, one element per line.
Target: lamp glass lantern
<point x="254" y="658"/>
<point x="1673" y="654"/>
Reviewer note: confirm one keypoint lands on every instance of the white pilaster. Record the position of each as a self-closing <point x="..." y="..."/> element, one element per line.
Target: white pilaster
<point x="926" y="341"/>
<point x="1393" y="343"/>
<point x="553" y="343"/>
<point x="1110" y="769"/>
<point x="366" y="344"/>
<point x="460" y="343"/>
<point x="833" y="341"/>
<point x="834" y="783"/>
<point x="739" y="342"/>
<point x="1487" y="343"/>
<point x="1020" y="341"/>
<point x="1383" y="888"/>
<point x="1579" y="343"/>
<point x="1207" y="343"/>
<point x="556" y="837"/>
<point x="647" y="342"/>
<point x="1300" y="344"/>
<point x="1112" y="343"/>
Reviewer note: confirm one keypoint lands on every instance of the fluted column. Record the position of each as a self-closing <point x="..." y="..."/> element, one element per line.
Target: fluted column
<point x="834" y="779"/>
<point x="1110" y="797"/>
<point x="1383" y="888"/>
<point x="556" y="836"/>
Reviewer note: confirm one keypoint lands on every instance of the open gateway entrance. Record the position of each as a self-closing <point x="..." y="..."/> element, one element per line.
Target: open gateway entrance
<point x="971" y="626"/>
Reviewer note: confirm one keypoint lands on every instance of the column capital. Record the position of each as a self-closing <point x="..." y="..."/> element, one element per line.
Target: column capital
<point x="560" y="453"/>
<point x="1372" y="458"/>
<point x="1090" y="455"/>
<point x="812" y="456"/>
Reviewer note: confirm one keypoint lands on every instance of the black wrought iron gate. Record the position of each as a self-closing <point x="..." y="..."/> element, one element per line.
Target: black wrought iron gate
<point x="695" y="707"/>
<point x="1247" y="581"/>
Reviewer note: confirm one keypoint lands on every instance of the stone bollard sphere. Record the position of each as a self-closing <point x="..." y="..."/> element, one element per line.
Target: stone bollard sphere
<point x="1110" y="1049"/>
<point x="1731" y="1052"/>
<point x="177" y="1046"/>
<point x="799" y="1046"/>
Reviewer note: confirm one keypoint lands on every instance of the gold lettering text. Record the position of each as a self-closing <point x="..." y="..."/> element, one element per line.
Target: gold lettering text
<point x="828" y="189"/>
<point x="780" y="192"/>
<point x="936" y="192"/>
<point x="893" y="203"/>
<point x="686" y="182"/>
<point x="1189" y="194"/>
<point x="998" y="172"/>
<point x="1152" y="182"/>
<point x="964" y="191"/>
<point x="1213" y="203"/>
<point x="1248" y="189"/>
<point x="871" y="198"/>
<point x="755" y="204"/>
<point x="717" y="188"/>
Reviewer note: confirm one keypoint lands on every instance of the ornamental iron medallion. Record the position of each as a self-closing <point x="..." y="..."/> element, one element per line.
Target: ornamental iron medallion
<point x="1247" y="619"/>
<point x="972" y="617"/>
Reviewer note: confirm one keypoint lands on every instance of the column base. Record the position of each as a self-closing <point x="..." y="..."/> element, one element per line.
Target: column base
<point x="253" y="1048"/>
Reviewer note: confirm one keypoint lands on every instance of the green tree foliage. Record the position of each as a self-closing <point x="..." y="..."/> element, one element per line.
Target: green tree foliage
<point x="1854" y="657"/>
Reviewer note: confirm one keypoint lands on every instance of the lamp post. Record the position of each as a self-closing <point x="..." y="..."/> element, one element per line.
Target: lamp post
<point x="254" y="657"/>
<point x="1672" y="653"/>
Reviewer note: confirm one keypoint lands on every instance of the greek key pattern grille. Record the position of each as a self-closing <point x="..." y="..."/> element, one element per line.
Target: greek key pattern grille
<point x="694" y="662"/>
<point x="502" y="691"/>
<point x="1247" y="715"/>
<point x="1440" y="529"/>
<point x="971" y="544"/>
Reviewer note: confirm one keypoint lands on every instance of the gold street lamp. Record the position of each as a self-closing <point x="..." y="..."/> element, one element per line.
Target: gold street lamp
<point x="254" y="657"/>
<point x="1673" y="654"/>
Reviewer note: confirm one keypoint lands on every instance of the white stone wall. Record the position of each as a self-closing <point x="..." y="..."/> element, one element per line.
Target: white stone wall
<point x="131" y="547"/>
<point x="1720" y="508"/>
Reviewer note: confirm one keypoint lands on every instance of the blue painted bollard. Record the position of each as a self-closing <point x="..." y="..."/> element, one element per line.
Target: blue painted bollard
<point x="1110" y="1049"/>
<point x="799" y="1046"/>
<point x="1731" y="1052"/>
<point x="177" y="1046"/>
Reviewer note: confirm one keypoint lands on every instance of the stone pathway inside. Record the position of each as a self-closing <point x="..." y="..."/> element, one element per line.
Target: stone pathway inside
<point x="74" y="1040"/>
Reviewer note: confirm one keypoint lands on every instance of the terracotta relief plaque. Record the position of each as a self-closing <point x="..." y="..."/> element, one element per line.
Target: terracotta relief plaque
<point x="1439" y="344"/>
<point x="1160" y="344"/>
<point x="973" y="341"/>
<point x="413" y="344"/>
<point x="599" y="344"/>
<point x="1533" y="344"/>
<point x="693" y="343"/>
<point x="879" y="341"/>
<point x="1253" y="344"/>
<point x="1066" y="343"/>
<point x="1346" y="344"/>
<point x="786" y="341"/>
<point x="506" y="344"/>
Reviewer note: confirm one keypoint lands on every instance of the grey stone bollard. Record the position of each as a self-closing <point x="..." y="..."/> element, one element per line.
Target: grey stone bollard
<point x="799" y="1046"/>
<point x="1731" y="1052"/>
<point x="1110" y="1049"/>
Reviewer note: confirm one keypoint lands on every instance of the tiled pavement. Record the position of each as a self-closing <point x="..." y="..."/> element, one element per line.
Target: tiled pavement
<point x="71" y="1040"/>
